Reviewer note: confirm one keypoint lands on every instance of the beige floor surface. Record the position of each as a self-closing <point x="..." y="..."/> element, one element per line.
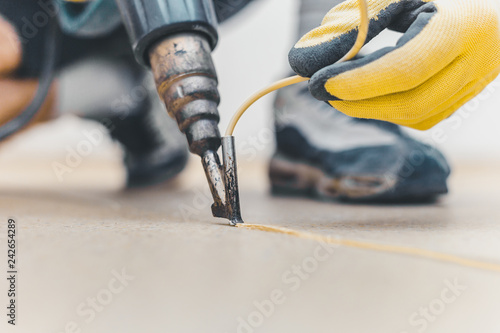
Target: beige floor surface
<point x="192" y="273"/>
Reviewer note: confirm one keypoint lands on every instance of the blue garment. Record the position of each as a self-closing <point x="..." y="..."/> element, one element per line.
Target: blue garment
<point x="98" y="18"/>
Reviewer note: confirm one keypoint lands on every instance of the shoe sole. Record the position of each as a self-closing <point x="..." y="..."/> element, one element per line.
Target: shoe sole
<point x="296" y="178"/>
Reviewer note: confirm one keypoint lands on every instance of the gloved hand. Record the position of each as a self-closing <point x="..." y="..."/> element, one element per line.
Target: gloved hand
<point x="16" y="94"/>
<point x="449" y="52"/>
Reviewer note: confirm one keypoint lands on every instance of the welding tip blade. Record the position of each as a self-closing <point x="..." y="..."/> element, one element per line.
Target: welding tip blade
<point x="231" y="180"/>
<point x="215" y="178"/>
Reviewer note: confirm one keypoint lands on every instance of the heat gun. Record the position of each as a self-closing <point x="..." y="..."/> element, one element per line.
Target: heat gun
<point x="174" y="39"/>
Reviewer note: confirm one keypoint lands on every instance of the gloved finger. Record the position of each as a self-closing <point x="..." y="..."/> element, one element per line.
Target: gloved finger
<point x="454" y="103"/>
<point x="337" y="34"/>
<point x="418" y="55"/>
<point x="439" y="35"/>
<point x="10" y="48"/>
<point x="16" y="94"/>
<point x="424" y="106"/>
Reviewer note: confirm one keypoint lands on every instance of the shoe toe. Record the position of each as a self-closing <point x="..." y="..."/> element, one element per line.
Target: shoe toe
<point x="419" y="173"/>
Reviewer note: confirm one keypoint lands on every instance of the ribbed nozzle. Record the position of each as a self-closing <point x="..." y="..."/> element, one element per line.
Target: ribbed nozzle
<point x="187" y="83"/>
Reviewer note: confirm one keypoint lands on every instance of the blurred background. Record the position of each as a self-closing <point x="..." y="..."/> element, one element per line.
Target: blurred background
<point x="252" y="53"/>
<point x="190" y="272"/>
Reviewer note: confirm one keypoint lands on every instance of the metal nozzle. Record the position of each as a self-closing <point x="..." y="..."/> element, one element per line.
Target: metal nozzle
<point x="212" y="167"/>
<point x="223" y="181"/>
<point x="186" y="81"/>
<point x="231" y="180"/>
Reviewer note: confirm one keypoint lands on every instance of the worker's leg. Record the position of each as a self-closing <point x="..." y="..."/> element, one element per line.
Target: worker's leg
<point x="154" y="148"/>
<point x="323" y="152"/>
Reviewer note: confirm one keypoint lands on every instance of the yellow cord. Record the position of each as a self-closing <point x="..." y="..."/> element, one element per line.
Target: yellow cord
<point x="443" y="257"/>
<point x="360" y="41"/>
<point x="258" y="95"/>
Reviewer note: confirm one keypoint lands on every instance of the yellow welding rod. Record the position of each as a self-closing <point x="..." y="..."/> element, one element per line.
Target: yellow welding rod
<point x="360" y="41"/>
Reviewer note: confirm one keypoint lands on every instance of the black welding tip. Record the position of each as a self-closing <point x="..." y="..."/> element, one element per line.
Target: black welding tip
<point x="231" y="180"/>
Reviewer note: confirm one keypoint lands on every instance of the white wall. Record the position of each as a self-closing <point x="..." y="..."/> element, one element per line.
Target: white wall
<point x="252" y="53"/>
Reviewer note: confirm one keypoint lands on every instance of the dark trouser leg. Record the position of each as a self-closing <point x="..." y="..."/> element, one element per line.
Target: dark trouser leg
<point x="154" y="148"/>
<point x="312" y="12"/>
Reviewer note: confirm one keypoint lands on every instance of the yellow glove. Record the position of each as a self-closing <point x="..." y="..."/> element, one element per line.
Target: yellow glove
<point x="449" y="53"/>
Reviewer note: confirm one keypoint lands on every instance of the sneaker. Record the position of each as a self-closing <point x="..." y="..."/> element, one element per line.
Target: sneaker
<point x="155" y="149"/>
<point x="325" y="154"/>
